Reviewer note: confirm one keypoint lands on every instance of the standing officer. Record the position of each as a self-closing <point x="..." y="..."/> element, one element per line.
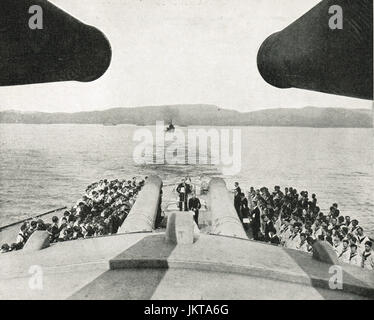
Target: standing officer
<point x="194" y="205"/>
<point x="183" y="189"/>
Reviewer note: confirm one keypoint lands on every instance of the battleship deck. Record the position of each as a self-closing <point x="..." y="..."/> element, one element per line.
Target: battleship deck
<point x="143" y="265"/>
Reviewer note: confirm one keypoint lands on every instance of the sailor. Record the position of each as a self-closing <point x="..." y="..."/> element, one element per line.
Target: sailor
<point x="284" y="226"/>
<point x="344" y="255"/>
<point x="341" y="221"/>
<point x="69" y="230"/>
<point x="62" y="227"/>
<point x="15" y="246"/>
<point x="5" y="248"/>
<point x="285" y="231"/>
<point x="314" y="200"/>
<point x="237" y="189"/>
<point x="294" y="238"/>
<point x="303" y="245"/>
<point x="251" y="197"/>
<point x="256" y="220"/>
<point x="273" y="238"/>
<point x="318" y="230"/>
<point x="64" y="218"/>
<point x="237" y="200"/>
<point x="268" y="227"/>
<point x="361" y="239"/>
<point x="347" y="221"/>
<point x="367" y="261"/>
<point x="344" y="231"/>
<point x="22" y="235"/>
<point x="276" y="222"/>
<point x="54" y="230"/>
<point x="328" y="239"/>
<point x="333" y="224"/>
<point x="77" y="232"/>
<point x="278" y="194"/>
<point x="133" y="181"/>
<point x="354" y="258"/>
<point x="244" y="210"/>
<point x="354" y="226"/>
<point x="183" y="189"/>
<point x="32" y="228"/>
<point x="337" y="245"/>
<point x="310" y="242"/>
<point x="194" y="205"/>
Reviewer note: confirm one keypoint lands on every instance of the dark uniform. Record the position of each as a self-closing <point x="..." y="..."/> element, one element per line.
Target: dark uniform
<point x="237" y="201"/>
<point x="256" y="222"/>
<point x="184" y="189"/>
<point x="194" y="205"/>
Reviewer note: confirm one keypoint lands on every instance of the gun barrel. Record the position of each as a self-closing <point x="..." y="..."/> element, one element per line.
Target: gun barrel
<point x="59" y="48"/>
<point x="309" y="54"/>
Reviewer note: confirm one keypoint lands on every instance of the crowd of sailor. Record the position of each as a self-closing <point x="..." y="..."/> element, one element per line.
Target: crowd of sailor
<point x="287" y="218"/>
<point x="294" y="220"/>
<point x="100" y="211"/>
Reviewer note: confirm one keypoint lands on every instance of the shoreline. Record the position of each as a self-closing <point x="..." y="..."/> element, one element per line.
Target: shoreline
<point x="188" y="126"/>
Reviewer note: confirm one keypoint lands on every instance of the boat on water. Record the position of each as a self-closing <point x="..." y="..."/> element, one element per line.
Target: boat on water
<point x="170" y="127"/>
<point x="176" y="258"/>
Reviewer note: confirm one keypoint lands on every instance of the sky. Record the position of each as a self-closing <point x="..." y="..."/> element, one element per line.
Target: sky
<point x="177" y="52"/>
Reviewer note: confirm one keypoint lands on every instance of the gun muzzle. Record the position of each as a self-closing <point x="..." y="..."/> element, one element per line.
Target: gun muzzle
<point x="309" y="54"/>
<point x="61" y="49"/>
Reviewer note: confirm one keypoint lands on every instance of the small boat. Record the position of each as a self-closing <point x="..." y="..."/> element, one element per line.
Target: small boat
<point x="170" y="127"/>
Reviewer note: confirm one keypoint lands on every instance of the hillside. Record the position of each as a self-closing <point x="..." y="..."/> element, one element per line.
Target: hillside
<point x="184" y="115"/>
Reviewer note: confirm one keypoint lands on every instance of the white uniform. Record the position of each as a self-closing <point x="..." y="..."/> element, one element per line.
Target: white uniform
<point x="317" y="233"/>
<point x="355" y="259"/>
<point x="353" y="230"/>
<point x="344" y="255"/>
<point x="338" y="248"/>
<point x="287" y="238"/>
<point x="293" y="241"/>
<point x="303" y="246"/>
<point x="367" y="261"/>
<point x="361" y="243"/>
<point x="21" y="238"/>
<point x="285" y="232"/>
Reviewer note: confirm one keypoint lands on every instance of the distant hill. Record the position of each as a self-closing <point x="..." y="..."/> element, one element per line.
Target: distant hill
<point x="184" y="115"/>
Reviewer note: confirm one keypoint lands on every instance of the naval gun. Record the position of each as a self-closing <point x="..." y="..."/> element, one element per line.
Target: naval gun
<point x="214" y="260"/>
<point x="312" y="54"/>
<point x="40" y="43"/>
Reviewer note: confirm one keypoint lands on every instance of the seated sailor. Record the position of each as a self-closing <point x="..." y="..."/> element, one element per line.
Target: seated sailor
<point x="367" y="261"/>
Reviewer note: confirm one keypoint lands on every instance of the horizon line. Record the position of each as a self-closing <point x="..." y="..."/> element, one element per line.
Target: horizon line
<point x="181" y="104"/>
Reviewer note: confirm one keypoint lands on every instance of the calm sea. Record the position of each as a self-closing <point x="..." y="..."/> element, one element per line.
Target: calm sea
<point x="43" y="167"/>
